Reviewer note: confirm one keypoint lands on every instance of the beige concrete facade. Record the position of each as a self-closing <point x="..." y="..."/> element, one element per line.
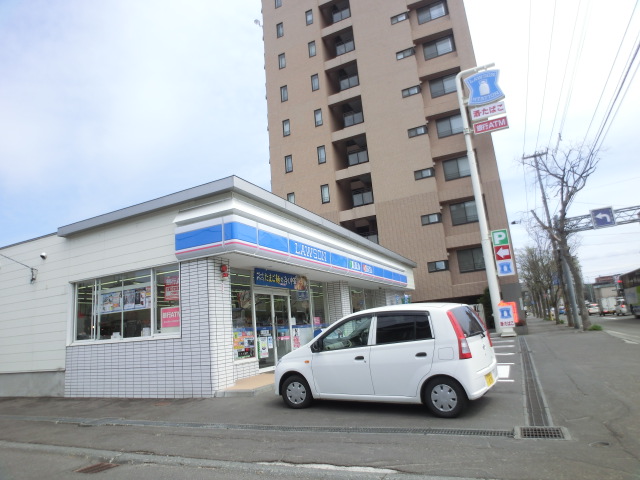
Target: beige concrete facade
<point x="370" y="96"/>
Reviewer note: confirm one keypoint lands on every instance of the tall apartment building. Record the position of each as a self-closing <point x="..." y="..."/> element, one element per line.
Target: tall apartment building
<point x="365" y="130"/>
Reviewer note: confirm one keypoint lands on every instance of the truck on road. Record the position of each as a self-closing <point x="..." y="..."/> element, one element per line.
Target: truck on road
<point x="607" y="306"/>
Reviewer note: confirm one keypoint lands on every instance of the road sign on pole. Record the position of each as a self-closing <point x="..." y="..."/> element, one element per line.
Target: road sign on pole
<point x="502" y="253"/>
<point x="602" y="217"/>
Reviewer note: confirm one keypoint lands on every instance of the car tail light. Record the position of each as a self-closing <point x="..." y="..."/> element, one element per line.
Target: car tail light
<point x="463" y="345"/>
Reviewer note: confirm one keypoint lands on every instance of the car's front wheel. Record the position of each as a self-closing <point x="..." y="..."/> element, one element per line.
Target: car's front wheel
<point x="445" y="397"/>
<point x="296" y="392"/>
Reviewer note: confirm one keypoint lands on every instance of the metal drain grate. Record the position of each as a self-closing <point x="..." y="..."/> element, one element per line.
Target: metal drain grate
<point x="558" y="433"/>
<point x="97" y="468"/>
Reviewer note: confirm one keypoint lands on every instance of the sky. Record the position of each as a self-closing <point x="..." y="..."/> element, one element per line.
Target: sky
<point x="108" y="104"/>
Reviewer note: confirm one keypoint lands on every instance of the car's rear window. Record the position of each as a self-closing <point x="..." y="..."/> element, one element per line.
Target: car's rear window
<point x="467" y="321"/>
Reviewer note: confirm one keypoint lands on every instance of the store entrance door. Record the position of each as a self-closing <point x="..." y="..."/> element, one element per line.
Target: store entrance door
<point x="273" y="328"/>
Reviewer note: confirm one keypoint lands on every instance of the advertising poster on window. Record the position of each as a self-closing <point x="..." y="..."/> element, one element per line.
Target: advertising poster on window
<point x="111" y="302"/>
<point x="170" y="317"/>
<point x="136" y="298"/>
<point x="243" y="343"/>
<point x="172" y="288"/>
<point x="263" y="346"/>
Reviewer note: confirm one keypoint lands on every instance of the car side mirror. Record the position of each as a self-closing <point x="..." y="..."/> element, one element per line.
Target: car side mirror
<point x="316" y="346"/>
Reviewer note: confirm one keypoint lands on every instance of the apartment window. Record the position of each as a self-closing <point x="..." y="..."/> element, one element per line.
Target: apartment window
<point x="407" y="52"/>
<point x="424" y="173"/>
<point x="317" y="114"/>
<point x="407" y="92"/>
<point x="282" y="61"/>
<point x="431" y="12"/>
<point x="322" y="154"/>
<point x="284" y="93"/>
<point x="344" y="46"/>
<point x="414" y="132"/>
<point x="442" y="86"/>
<point x="324" y="193"/>
<point x="464" y="212"/>
<point x="399" y="18"/>
<point x="279" y="30"/>
<point x="456" y="168"/>
<point x="308" y="15"/>
<point x="449" y="126"/>
<point x="286" y="128"/>
<point x="143" y="303"/>
<point x="431" y="218"/>
<point x="442" y="46"/>
<point x="348" y="79"/>
<point x="312" y="49"/>
<point x="358" y="157"/>
<point x="352" y="118"/>
<point x="362" y="196"/>
<point x="470" y="260"/>
<point x="439" y="266"/>
<point x="288" y="164"/>
<point x="278" y="3"/>
<point x="291" y="197"/>
<point x="315" y="82"/>
<point x="340" y="12"/>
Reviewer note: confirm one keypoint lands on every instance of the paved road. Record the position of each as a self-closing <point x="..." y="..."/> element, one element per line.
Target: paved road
<point x="588" y="385"/>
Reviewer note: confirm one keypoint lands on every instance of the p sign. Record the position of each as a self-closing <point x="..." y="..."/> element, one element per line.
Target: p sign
<point x="500" y="237"/>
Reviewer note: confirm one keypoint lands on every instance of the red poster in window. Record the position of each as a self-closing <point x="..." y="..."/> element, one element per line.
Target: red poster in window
<point x="172" y="288"/>
<point x="170" y="317"/>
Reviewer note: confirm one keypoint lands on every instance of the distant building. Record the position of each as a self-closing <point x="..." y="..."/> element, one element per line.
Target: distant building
<point x="365" y="130"/>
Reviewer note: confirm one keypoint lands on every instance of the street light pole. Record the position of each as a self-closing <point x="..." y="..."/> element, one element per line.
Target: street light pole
<point x="487" y="250"/>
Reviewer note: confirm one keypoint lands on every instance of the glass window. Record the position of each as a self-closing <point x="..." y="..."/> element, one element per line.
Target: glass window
<point x="396" y="328"/>
<point x="424" y="173"/>
<point x="284" y="93"/>
<point x="431" y="12"/>
<point x="318" y="298"/>
<point x="442" y="86"/>
<point x="456" y="168"/>
<point x="315" y="82"/>
<point x="278" y="3"/>
<point x="279" y="30"/>
<point x="288" y="164"/>
<point x="312" y="49"/>
<point x="340" y="12"/>
<point x="308" y="15"/>
<point x="282" y="61"/>
<point x="322" y="154"/>
<point x="438" y="47"/>
<point x="244" y="345"/>
<point x="439" y="266"/>
<point x="431" y="218"/>
<point x="135" y="304"/>
<point x="471" y="325"/>
<point x="470" y="260"/>
<point x="344" y="46"/>
<point x="357" y="157"/>
<point x="399" y="18"/>
<point x="405" y="53"/>
<point x="324" y="193"/>
<point x="407" y="92"/>
<point x="351" y="334"/>
<point x="317" y="114"/>
<point x="286" y="128"/>
<point x="464" y="212"/>
<point x="449" y="126"/>
<point x="291" y="197"/>
<point x="414" y="132"/>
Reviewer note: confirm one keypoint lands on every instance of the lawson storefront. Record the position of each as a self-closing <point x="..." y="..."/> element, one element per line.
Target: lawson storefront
<point x="184" y="295"/>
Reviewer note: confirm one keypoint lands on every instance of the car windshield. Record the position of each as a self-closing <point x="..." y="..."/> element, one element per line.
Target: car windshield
<point x="468" y="322"/>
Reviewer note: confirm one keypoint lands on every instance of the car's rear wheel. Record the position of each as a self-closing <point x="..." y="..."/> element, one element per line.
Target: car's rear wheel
<point x="445" y="397"/>
<point x="296" y="392"/>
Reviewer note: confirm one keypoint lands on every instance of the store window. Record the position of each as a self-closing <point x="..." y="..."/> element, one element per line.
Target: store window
<point x="142" y="303"/>
<point x="242" y="315"/>
<point x="318" y="300"/>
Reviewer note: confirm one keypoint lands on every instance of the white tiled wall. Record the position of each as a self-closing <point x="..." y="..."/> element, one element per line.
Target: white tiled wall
<point x="195" y="365"/>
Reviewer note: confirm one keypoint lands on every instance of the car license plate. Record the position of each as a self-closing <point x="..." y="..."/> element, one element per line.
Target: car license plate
<point x="489" y="379"/>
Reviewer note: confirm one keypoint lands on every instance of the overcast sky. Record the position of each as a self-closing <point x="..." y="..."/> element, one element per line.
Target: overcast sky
<point x="108" y="104"/>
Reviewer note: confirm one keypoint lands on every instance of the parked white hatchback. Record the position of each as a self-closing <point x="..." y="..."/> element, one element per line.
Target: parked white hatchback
<point x="439" y="354"/>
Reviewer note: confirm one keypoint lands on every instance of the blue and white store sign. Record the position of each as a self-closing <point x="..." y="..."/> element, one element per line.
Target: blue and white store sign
<point x="237" y="234"/>
<point x="483" y="87"/>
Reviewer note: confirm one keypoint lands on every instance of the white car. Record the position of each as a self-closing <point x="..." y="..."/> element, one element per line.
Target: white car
<point x="439" y="354"/>
<point x="593" y="309"/>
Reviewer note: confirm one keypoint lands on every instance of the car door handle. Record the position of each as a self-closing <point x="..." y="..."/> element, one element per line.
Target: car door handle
<point x="359" y="357"/>
<point x="421" y="354"/>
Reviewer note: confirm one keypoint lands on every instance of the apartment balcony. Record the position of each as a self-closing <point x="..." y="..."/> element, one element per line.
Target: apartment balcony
<point x="339" y="48"/>
<point x="334" y="12"/>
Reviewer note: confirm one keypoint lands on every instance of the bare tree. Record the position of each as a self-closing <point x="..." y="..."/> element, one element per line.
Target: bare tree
<point x="565" y="173"/>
